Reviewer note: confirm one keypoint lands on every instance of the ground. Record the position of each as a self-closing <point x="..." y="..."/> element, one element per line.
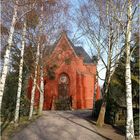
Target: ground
<point x="66" y="125"/>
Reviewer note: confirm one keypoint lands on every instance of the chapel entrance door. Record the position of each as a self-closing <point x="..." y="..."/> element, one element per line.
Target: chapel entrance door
<point x="63" y="102"/>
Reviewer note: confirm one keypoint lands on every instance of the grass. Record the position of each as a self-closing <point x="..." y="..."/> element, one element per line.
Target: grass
<point x="13" y="128"/>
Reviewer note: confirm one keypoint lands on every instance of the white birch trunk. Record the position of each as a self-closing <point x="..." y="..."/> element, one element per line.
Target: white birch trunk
<point x="34" y="82"/>
<point x="20" y="75"/>
<point x="36" y="65"/>
<point x="41" y="100"/>
<point x="7" y="56"/>
<point x="129" y="121"/>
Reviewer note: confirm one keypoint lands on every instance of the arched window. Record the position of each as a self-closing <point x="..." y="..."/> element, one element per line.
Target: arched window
<point x="63" y="85"/>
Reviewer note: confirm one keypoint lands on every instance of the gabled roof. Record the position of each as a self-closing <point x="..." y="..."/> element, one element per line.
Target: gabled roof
<point x="79" y="51"/>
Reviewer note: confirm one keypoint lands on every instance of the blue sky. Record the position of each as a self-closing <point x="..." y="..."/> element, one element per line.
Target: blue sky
<point x="85" y="42"/>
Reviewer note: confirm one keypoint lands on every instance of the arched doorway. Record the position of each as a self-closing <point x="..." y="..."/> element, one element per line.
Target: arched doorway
<point x="63" y="102"/>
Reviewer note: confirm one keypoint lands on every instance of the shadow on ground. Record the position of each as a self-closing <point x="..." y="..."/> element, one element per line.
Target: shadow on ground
<point x="83" y="116"/>
<point x="87" y="115"/>
<point x="67" y="125"/>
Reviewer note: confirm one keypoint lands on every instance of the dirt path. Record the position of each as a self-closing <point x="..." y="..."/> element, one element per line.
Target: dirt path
<point x="65" y="125"/>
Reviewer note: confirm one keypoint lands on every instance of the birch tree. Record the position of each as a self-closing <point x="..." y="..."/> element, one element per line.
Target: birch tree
<point x="20" y="74"/>
<point x="112" y="16"/>
<point x="129" y="120"/>
<point x="7" y="54"/>
<point x="36" y="66"/>
<point x="34" y="82"/>
<point x="41" y="99"/>
<point x="98" y="22"/>
<point x="16" y="17"/>
<point x="53" y="20"/>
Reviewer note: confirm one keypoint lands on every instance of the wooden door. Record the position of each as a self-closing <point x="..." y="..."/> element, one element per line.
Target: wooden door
<point x="63" y="102"/>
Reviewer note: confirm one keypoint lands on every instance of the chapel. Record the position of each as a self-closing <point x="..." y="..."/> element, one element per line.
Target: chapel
<point x="69" y="77"/>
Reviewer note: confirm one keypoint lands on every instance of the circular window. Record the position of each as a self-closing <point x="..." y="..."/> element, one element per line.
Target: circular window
<point x="64" y="79"/>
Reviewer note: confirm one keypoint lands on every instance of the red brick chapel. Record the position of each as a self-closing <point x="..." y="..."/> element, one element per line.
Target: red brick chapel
<point x="69" y="77"/>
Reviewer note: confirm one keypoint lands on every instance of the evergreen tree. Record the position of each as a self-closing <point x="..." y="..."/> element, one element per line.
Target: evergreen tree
<point x="117" y="87"/>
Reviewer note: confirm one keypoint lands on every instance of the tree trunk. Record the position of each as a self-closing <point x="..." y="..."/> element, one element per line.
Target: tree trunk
<point x="34" y="83"/>
<point x="36" y="65"/>
<point x="41" y="99"/>
<point x="7" y="55"/>
<point x="129" y="121"/>
<point x="101" y="116"/>
<point x="20" y="75"/>
<point x="100" y="121"/>
<point x="95" y="91"/>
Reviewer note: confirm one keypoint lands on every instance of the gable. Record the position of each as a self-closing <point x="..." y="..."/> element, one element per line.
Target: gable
<point x="77" y="51"/>
<point x="64" y="44"/>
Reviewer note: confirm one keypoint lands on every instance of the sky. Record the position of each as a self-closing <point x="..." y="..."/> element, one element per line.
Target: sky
<point x="85" y="43"/>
